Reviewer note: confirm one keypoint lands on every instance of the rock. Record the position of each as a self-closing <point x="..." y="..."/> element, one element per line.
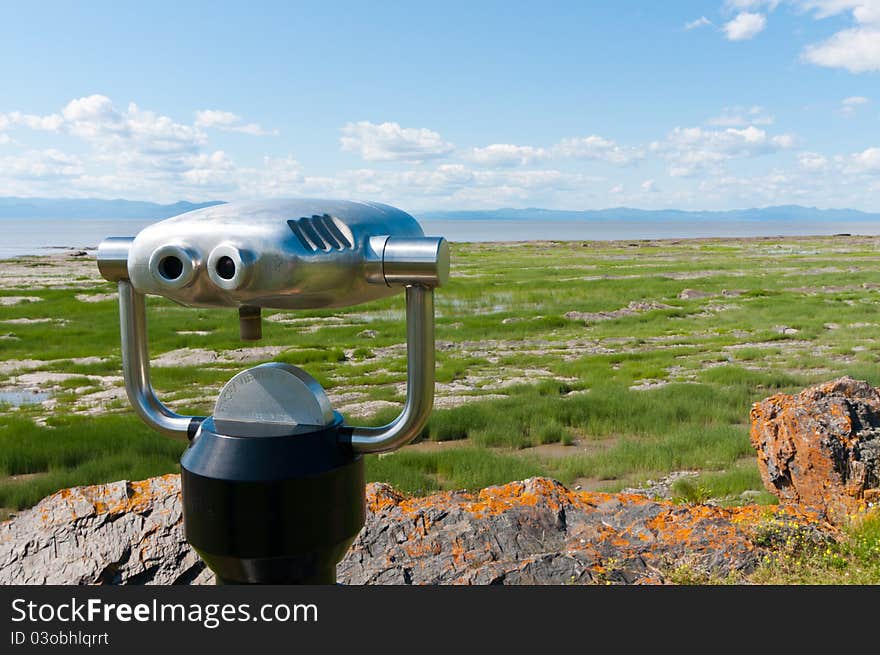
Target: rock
<point x="750" y="495"/>
<point x="117" y="533"/>
<point x="202" y="356"/>
<point x="647" y="385"/>
<point x="784" y="329"/>
<point x="368" y="334"/>
<point x="97" y="297"/>
<point x="635" y="307"/>
<point x="530" y="532"/>
<point x="662" y="488"/>
<point x="693" y="294"/>
<point x="15" y="300"/>
<point x="821" y="447"/>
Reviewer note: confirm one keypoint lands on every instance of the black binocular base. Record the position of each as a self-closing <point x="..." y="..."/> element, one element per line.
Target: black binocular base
<point x="274" y="571"/>
<point x="272" y="509"/>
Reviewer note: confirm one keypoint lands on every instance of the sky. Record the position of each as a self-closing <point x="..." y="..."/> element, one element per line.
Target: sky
<point x="717" y="104"/>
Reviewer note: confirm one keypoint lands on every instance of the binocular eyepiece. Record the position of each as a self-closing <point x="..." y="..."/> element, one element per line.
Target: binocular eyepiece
<point x="273" y="482"/>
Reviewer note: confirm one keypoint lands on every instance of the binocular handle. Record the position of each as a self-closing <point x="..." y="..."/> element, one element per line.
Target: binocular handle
<point x="402" y="430"/>
<point x="136" y="368"/>
<point x="419" y="380"/>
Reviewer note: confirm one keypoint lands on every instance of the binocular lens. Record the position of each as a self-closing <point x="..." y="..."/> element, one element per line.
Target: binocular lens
<point x="226" y="268"/>
<point x="170" y="267"/>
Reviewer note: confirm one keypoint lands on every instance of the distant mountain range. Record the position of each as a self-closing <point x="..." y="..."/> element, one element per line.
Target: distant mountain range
<point x="93" y="208"/>
<point x="779" y="213"/>
<point x="74" y="208"/>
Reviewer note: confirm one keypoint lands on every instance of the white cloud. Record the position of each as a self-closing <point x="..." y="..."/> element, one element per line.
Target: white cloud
<point x="391" y="142"/>
<point x="452" y="185"/>
<point x="597" y="147"/>
<point x="864" y="11"/>
<point x="94" y="117"/>
<point x="867" y="161"/>
<point x="136" y="153"/>
<point x="591" y="147"/>
<point x="278" y="176"/>
<point x="528" y="180"/>
<point x="849" y="180"/>
<point x="228" y="122"/>
<point x="97" y="121"/>
<point x="744" y="26"/>
<point x="47" y="164"/>
<point x="133" y="152"/>
<point x="50" y="123"/>
<point x="151" y="133"/>
<point x="125" y="135"/>
<point x="215" y="170"/>
<point x="857" y="50"/>
<point x="442" y="185"/>
<point x="694" y="150"/>
<point x="457" y="185"/>
<point x="505" y="154"/>
<point x="858" y="169"/>
<point x="699" y="22"/>
<point x="4" y="139"/>
<point x="849" y="106"/>
<point x="812" y="161"/>
<point x="439" y="181"/>
<point x="740" y="5"/>
<point x="741" y="117"/>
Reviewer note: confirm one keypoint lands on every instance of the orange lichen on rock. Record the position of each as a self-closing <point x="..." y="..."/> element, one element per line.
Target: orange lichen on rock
<point x="821" y="447"/>
<point x="528" y="493"/>
<point x="536" y="531"/>
<point x="120" y="532"/>
<point x="113" y="498"/>
<point x="381" y="496"/>
<point x="125" y="497"/>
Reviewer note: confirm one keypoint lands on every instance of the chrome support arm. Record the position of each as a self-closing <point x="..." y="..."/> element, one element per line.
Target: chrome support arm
<point x="419" y="379"/>
<point x="136" y="368"/>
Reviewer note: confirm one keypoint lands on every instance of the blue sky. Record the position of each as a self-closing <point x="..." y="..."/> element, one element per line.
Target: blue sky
<point x="576" y="105"/>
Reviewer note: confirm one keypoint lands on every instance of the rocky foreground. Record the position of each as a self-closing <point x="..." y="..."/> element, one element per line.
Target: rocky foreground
<point x="819" y="451"/>
<point x="530" y="532"/>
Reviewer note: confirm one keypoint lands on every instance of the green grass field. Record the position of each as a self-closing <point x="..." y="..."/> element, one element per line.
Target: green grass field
<point x="585" y="361"/>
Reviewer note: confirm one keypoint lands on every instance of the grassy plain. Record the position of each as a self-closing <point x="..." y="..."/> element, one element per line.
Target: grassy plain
<point x="602" y="364"/>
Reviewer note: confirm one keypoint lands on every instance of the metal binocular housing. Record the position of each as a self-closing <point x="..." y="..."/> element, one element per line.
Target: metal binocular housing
<point x="273" y="481"/>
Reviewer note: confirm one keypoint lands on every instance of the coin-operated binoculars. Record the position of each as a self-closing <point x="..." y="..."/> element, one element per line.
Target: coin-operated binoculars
<point x="273" y="482"/>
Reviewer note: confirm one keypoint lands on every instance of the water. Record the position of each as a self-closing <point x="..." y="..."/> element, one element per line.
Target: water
<point x="18" y="398"/>
<point x="499" y="230"/>
<point x="39" y="236"/>
<point x="44" y="236"/>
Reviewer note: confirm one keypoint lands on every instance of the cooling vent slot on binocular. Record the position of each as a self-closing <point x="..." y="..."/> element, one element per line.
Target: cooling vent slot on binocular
<point x="322" y="233"/>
